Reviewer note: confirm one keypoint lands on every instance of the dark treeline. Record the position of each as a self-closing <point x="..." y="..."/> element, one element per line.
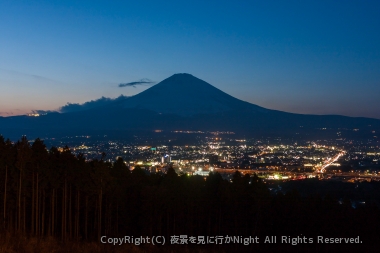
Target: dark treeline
<point x="55" y="193"/>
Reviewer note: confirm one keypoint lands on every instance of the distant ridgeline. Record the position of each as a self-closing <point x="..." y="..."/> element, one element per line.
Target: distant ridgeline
<point x="54" y="193"/>
<point x="186" y="103"/>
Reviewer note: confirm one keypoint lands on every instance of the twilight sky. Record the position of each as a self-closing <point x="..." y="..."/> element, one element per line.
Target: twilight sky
<point x="317" y="57"/>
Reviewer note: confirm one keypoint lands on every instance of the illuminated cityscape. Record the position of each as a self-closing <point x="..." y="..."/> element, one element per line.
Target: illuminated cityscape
<point x="344" y="160"/>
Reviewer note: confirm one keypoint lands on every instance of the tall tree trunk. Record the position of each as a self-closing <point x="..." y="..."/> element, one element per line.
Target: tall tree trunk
<point x="109" y="216"/>
<point x="33" y="207"/>
<point x="19" y="202"/>
<point x="86" y="217"/>
<point x="52" y="213"/>
<point x="37" y="205"/>
<point x="70" y="220"/>
<point x="100" y="211"/>
<point x="77" y="216"/>
<point x="5" y="196"/>
<point x="64" y="212"/>
<point x="49" y="222"/>
<point x="24" y="217"/>
<point x="220" y="219"/>
<point x="95" y="217"/>
<point x="105" y="217"/>
<point x="43" y="214"/>
<point x="117" y="218"/>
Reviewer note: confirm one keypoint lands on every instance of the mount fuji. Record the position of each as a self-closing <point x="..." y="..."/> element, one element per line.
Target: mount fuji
<point x="184" y="102"/>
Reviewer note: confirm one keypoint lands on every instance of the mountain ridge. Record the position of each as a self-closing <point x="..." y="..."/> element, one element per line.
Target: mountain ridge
<point x="184" y="102"/>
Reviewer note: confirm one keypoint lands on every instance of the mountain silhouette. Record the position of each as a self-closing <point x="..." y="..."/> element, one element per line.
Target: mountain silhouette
<point x="185" y="95"/>
<point x="184" y="102"/>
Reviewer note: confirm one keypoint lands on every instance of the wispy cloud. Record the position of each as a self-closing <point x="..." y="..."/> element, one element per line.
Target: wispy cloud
<point x="144" y="81"/>
<point x="18" y="73"/>
<point x="103" y="101"/>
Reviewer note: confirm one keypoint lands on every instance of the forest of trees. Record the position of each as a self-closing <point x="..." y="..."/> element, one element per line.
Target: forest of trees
<point x="56" y="193"/>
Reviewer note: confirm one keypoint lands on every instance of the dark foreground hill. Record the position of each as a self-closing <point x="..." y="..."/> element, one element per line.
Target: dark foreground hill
<point x="184" y="102"/>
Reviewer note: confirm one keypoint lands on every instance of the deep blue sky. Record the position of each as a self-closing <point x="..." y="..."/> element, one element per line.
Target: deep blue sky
<point x="320" y="57"/>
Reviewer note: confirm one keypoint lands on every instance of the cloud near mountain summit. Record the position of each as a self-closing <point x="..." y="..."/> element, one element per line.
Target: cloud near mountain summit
<point x="74" y="107"/>
<point x="143" y="81"/>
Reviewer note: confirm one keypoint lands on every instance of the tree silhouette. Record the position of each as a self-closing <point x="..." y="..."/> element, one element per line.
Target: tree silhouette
<point x="55" y="193"/>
